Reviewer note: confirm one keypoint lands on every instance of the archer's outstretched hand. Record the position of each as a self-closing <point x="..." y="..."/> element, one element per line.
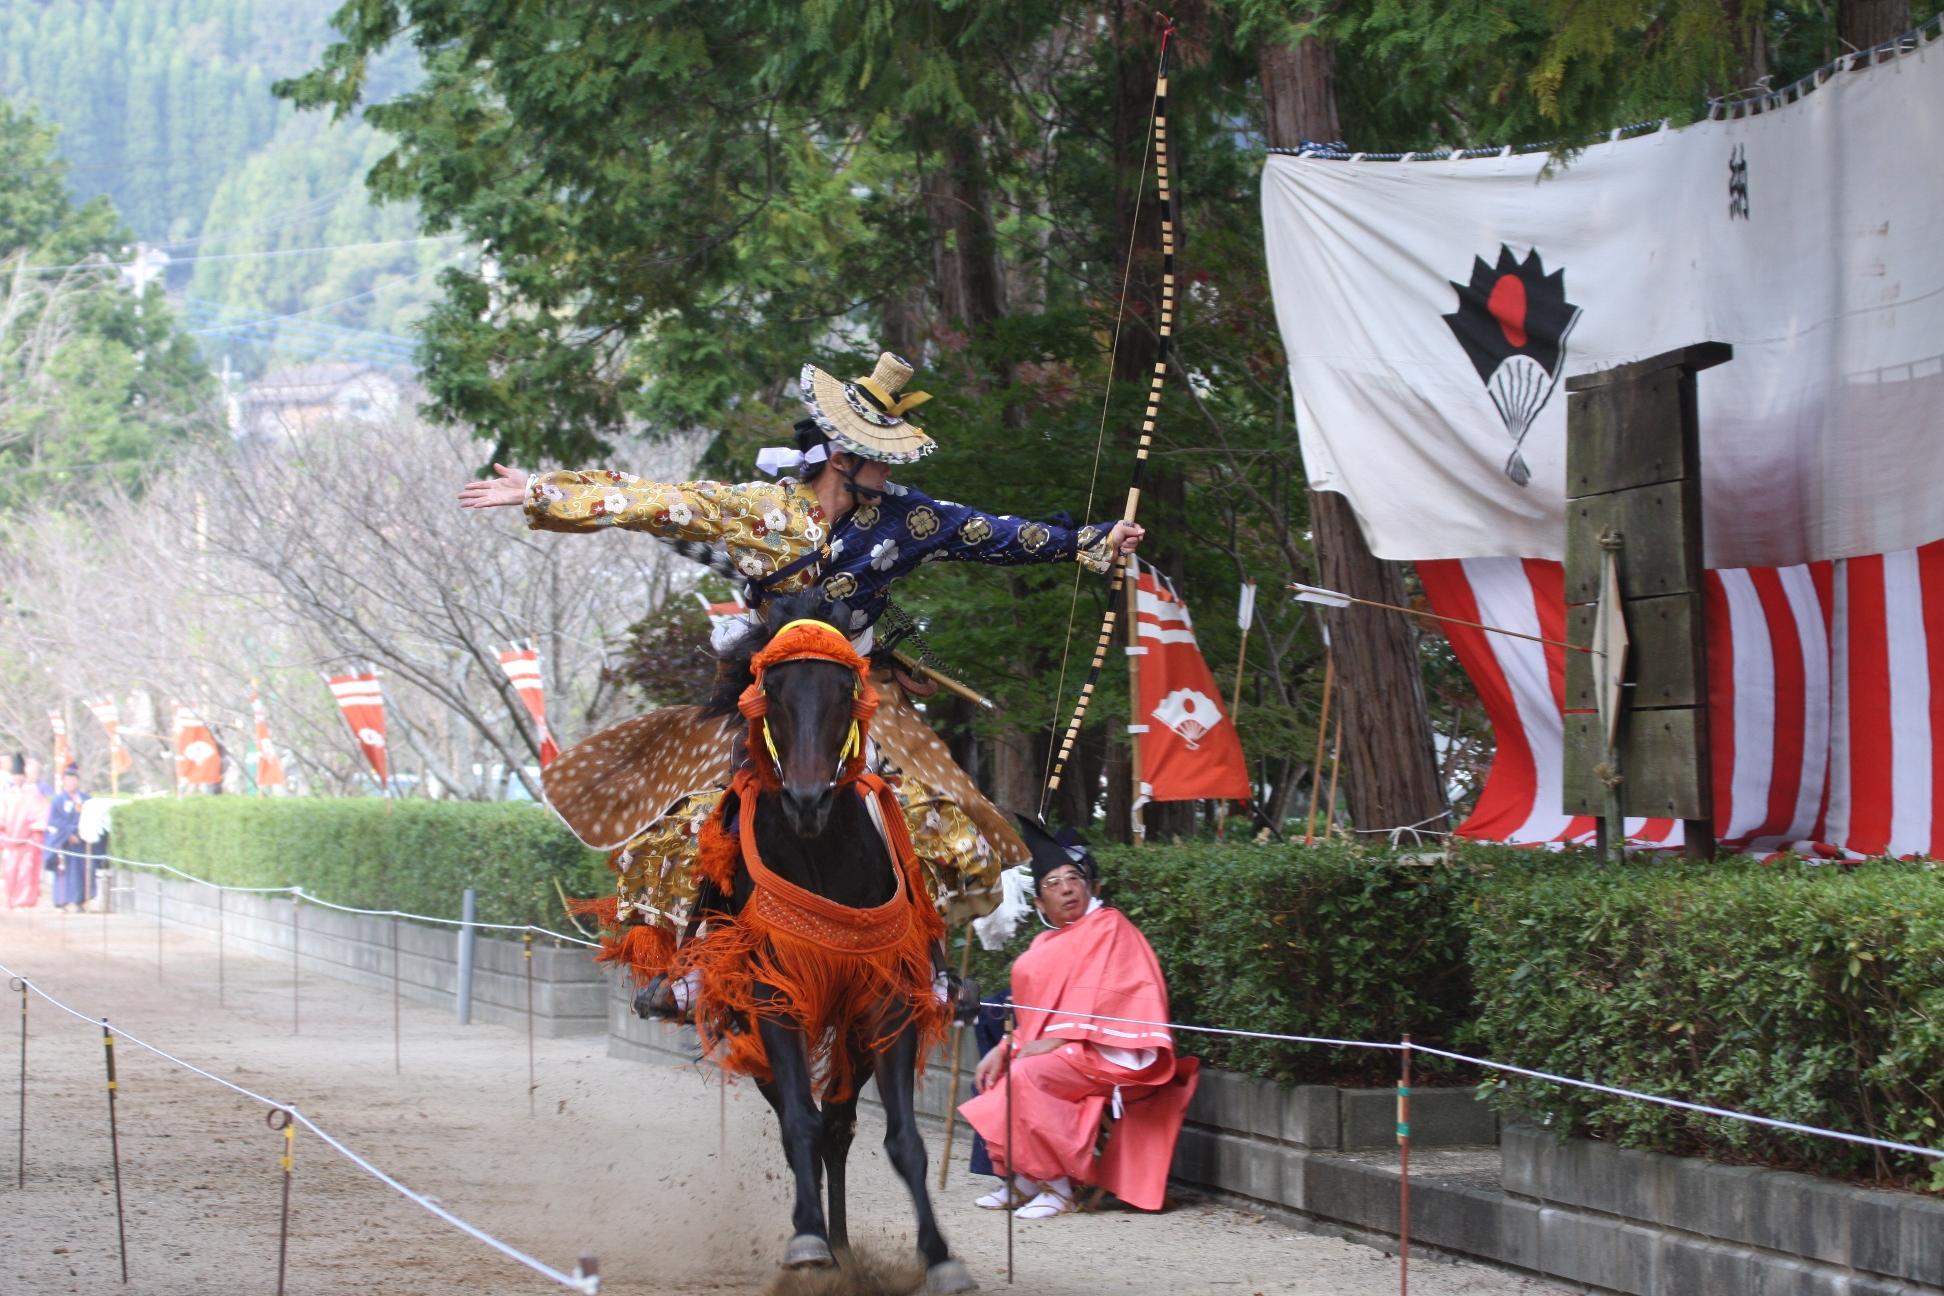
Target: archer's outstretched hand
<point x="506" y="487"/>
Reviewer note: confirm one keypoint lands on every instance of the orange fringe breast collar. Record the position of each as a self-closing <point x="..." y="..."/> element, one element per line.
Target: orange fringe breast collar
<point x="837" y="973"/>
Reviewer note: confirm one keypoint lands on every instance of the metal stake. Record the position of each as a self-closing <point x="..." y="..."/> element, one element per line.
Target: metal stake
<point x="1005" y="1192"/>
<point x="158" y="929"/>
<point x="957" y="1036"/>
<point x="221" y="972"/>
<point x="526" y="939"/>
<point x="20" y="1174"/>
<point x="296" y="933"/>
<point x="396" y="1068"/>
<point x="1404" y="1173"/>
<point x="114" y="1147"/>
<point x="289" y="1131"/>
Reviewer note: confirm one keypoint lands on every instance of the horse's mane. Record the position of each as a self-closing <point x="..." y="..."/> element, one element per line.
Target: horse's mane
<point x="734" y="674"/>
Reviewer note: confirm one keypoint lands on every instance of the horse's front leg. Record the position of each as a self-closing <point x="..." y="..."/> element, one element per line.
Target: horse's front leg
<point x="839" y="1129"/>
<point x="897" y="1069"/>
<point x="789" y="1092"/>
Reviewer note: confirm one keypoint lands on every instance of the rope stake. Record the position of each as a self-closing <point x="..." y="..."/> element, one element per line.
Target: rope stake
<point x="114" y="1147"/>
<point x="20" y="1171"/>
<point x="279" y="1119"/>
<point x="526" y="939"/>
<point x="1404" y="1171"/>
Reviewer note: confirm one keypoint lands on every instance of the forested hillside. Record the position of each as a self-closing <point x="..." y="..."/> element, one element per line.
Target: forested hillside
<point x="164" y="107"/>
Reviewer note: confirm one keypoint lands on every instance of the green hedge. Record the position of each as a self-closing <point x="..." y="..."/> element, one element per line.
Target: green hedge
<point x="1809" y="993"/>
<point x="418" y="856"/>
<point x="1330" y="941"/>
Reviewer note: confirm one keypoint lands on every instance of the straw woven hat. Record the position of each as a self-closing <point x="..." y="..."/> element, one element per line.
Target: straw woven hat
<point x="867" y="416"/>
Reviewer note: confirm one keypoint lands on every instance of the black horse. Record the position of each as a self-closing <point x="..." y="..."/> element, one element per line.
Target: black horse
<point x="818" y="834"/>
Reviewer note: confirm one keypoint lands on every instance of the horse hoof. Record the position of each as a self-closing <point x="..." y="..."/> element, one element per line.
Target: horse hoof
<point x="948" y="1276"/>
<point x="808" y="1251"/>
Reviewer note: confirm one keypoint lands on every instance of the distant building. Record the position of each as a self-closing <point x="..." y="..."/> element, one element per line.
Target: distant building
<point x="298" y="399"/>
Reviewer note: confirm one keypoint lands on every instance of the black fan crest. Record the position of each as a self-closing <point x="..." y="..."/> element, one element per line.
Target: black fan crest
<point x="1513" y="308"/>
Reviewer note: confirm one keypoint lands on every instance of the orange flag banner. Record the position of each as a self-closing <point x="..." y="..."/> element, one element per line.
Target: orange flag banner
<point x="105" y="710"/>
<point x="522" y="666"/>
<point x="270" y="769"/>
<point x="363" y="704"/>
<point x="199" y="762"/>
<point x="62" y="755"/>
<point x="1189" y="748"/>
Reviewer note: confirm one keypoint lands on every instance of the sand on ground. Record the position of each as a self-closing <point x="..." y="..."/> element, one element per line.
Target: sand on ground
<point x="676" y="1183"/>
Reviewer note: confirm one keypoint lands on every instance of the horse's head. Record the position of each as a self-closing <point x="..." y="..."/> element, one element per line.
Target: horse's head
<point x="808" y="701"/>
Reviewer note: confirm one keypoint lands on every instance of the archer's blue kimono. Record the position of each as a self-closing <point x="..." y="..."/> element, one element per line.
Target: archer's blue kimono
<point x="775" y="536"/>
<point x="63" y="851"/>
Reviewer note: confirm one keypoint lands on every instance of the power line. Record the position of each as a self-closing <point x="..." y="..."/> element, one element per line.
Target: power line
<point x="245" y="256"/>
<point x="314" y="207"/>
<point x="310" y="330"/>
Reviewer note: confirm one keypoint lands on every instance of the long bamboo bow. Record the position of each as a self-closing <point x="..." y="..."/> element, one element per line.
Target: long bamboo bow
<point x="1158" y="136"/>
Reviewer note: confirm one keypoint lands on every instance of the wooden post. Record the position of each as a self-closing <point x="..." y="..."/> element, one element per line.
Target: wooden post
<point x="1633" y="475"/>
<point x="1322" y="732"/>
<point x="1336" y="763"/>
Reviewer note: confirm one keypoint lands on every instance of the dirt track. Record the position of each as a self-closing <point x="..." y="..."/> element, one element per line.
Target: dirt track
<point x="629" y="1162"/>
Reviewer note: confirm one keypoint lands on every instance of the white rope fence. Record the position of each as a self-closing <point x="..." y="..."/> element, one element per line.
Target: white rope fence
<point x="1636" y="1094"/>
<point x="576" y="1281"/>
<point x="298" y="893"/>
<point x="1680" y="1104"/>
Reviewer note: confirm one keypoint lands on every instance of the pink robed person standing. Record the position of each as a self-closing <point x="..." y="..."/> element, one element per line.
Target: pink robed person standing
<point x="23" y="817"/>
<point x="1090" y="1054"/>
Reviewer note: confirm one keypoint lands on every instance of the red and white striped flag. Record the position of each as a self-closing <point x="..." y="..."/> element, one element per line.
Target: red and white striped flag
<point x="363" y="704"/>
<point x="105" y="710"/>
<point x="1825" y="702"/>
<point x="269" y="769"/>
<point x="522" y="666"/>
<point x="199" y="762"/>
<point x="58" y="723"/>
<point x="1189" y="749"/>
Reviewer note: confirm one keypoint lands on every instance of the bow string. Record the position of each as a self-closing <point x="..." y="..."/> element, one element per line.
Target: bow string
<point x="1158" y="150"/>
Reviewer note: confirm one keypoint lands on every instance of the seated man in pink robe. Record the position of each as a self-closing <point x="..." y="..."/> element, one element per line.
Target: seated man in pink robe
<point x="1081" y="994"/>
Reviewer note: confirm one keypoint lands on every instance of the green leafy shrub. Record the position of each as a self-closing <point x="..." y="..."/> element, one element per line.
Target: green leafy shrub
<point x="1328" y="941"/>
<point x="1807" y="993"/>
<point x="418" y="856"/>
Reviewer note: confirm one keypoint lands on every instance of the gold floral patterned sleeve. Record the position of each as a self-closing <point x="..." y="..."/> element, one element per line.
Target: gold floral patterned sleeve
<point x="588" y="499"/>
<point x="760" y="525"/>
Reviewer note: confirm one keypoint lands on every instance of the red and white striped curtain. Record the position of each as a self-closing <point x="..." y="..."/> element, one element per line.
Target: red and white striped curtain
<point x="270" y="768"/>
<point x="522" y="666"/>
<point x="363" y="704"/>
<point x="105" y="711"/>
<point x="1825" y="696"/>
<point x="199" y="762"/>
